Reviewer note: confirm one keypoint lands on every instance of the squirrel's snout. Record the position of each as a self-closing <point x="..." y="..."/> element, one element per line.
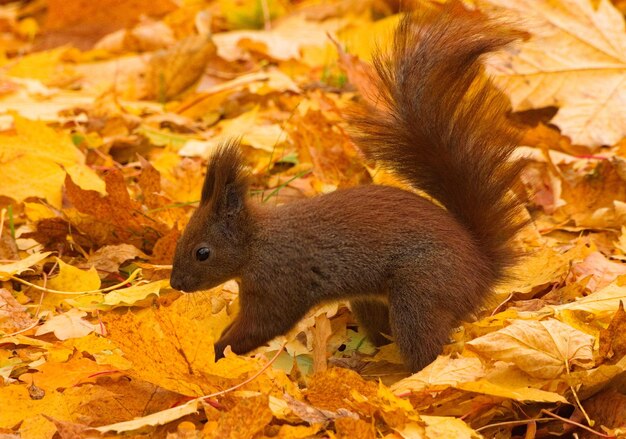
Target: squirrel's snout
<point x="177" y="282"/>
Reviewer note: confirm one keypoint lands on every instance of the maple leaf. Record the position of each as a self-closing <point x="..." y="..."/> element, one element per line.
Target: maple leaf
<point x="570" y="63"/>
<point x="112" y="219"/>
<point x="40" y="169"/>
<point x="543" y="349"/>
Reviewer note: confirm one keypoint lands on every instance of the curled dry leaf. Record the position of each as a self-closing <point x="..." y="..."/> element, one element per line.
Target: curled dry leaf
<point x="13" y="268"/>
<point x="542" y="349"/>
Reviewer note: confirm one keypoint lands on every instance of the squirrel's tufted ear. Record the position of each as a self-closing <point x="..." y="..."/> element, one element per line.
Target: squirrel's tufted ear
<point x="226" y="182"/>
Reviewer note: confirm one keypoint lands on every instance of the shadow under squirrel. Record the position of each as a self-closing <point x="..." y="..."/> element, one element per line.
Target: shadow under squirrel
<point x="410" y="268"/>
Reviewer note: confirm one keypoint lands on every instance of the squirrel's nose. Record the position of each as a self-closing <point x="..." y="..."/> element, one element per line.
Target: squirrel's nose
<point x="177" y="282"/>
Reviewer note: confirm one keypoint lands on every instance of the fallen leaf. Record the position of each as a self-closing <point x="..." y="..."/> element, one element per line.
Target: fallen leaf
<point x="13" y="315"/>
<point x="543" y="349"/>
<point x="13" y="268"/>
<point x="69" y="325"/>
<point x="571" y="64"/>
<point x="245" y="420"/>
<point x="72" y="279"/>
<point x="39" y="170"/>
<point x="109" y="257"/>
<point x="283" y="42"/>
<point x="440" y="374"/>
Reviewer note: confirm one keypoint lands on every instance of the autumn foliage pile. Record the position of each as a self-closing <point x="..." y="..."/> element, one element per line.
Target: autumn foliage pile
<point x="108" y="113"/>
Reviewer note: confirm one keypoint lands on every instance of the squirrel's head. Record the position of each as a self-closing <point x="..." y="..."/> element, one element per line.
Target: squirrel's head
<point x="213" y="246"/>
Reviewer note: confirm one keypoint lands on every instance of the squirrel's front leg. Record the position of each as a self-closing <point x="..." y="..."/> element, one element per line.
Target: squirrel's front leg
<point x="257" y="323"/>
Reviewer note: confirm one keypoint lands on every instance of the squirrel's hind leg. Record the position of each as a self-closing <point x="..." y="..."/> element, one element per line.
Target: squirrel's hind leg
<point x="420" y="322"/>
<point x="373" y="316"/>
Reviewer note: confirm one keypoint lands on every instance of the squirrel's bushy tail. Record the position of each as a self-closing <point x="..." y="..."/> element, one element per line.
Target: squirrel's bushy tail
<point x="441" y="126"/>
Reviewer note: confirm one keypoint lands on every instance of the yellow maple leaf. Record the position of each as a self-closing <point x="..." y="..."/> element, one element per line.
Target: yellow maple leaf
<point x="74" y="279"/>
<point x="173" y="346"/>
<point x="34" y="162"/>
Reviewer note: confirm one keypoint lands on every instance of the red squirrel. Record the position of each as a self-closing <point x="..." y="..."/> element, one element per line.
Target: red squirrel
<point x="410" y="268"/>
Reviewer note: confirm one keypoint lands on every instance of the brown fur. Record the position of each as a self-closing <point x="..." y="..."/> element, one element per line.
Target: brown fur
<point x="410" y="268"/>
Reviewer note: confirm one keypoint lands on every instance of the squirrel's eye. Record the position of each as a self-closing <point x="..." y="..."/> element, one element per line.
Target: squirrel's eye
<point x="203" y="253"/>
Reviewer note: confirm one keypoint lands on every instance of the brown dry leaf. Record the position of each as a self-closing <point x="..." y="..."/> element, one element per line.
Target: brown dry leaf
<point x="612" y="341"/>
<point x="608" y="409"/>
<point x="571" y="63"/>
<point x="590" y="191"/>
<point x="174" y="70"/>
<point x="113" y="219"/>
<point x="13" y="315"/>
<point x="109" y="257"/>
<point x="543" y="349"/>
<point x="311" y="414"/>
<point x="352" y="428"/>
<point x="82" y="22"/>
<point x="332" y="389"/>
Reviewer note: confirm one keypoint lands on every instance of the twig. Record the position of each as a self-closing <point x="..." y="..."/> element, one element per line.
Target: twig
<point x="252" y="378"/>
<point x="130" y="278"/>
<point x="520" y="422"/>
<point x="577" y="424"/>
<point x="266" y="15"/>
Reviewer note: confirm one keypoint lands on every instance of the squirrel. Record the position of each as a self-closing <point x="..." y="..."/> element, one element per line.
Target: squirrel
<point x="411" y="269"/>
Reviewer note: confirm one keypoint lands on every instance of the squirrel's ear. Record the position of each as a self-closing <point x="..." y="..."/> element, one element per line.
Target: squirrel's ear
<point x="226" y="182"/>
